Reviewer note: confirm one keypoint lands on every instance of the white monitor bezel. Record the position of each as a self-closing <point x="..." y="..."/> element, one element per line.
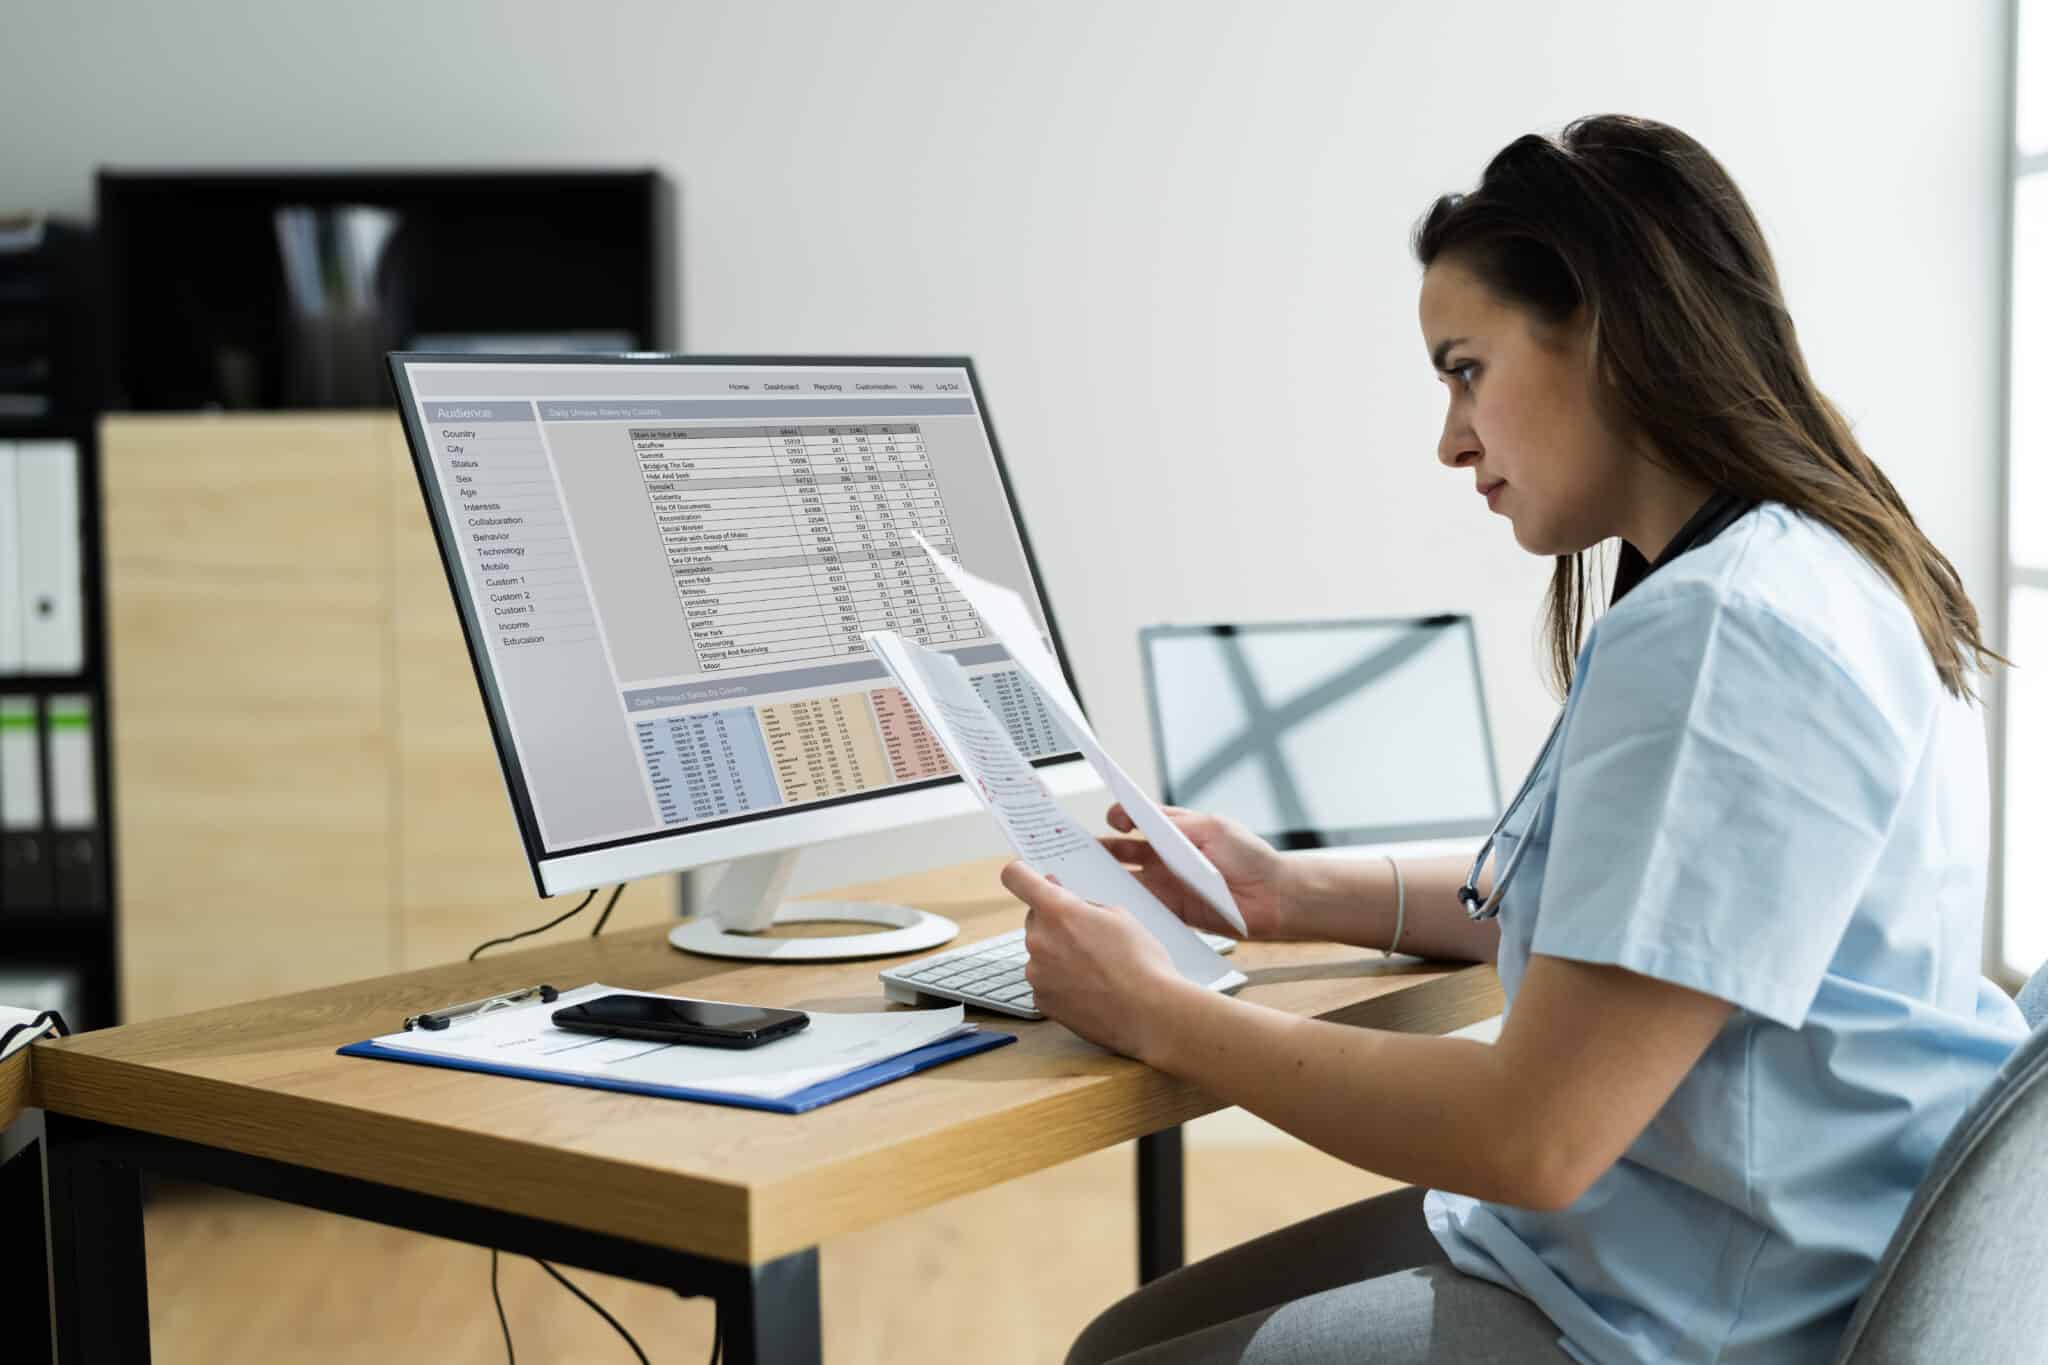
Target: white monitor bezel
<point x="657" y="853"/>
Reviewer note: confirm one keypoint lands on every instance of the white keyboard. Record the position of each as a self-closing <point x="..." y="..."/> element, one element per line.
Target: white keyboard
<point x="988" y="975"/>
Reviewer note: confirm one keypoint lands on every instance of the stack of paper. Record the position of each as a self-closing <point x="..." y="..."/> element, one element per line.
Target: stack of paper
<point x="524" y="1039"/>
<point x="1037" y="826"/>
<point x="1010" y="619"/>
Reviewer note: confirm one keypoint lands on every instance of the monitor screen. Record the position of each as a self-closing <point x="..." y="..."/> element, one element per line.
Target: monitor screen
<point x="665" y="566"/>
<point x="1328" y="732"/>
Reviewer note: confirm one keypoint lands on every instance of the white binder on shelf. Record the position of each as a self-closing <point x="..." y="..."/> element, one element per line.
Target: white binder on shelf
<point x="24" y="861"/>
<point x="10" y="566"/>
<point x="52" y="582"/>
<point x="74" y="842"/>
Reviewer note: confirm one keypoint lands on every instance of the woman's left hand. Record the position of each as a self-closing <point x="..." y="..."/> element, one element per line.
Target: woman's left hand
<point x="1093" y="967"/>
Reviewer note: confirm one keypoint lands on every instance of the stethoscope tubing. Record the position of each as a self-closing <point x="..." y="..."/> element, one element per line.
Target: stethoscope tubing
<point x="1468" y="894"/>
<point x="1720" y="512"/>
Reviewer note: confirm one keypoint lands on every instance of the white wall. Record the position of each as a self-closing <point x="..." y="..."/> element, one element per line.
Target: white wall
<point x="1174" y="236"/>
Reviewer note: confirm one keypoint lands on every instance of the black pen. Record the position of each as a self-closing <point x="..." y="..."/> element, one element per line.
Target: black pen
<point x="442" y="1018"/>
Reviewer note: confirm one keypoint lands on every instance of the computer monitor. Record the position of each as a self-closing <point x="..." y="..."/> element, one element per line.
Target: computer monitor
<point x="1326" y="734"/>
<point x="664" y="566"/>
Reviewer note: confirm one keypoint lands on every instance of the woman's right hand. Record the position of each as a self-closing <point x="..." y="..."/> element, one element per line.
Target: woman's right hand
<point x="1253" y="869"/>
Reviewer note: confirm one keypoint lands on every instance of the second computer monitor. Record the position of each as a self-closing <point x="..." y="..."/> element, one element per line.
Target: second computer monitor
<point x="1325" y="733"/>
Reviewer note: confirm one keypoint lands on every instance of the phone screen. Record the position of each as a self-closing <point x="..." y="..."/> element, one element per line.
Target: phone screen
<point x="641" y="1011"/>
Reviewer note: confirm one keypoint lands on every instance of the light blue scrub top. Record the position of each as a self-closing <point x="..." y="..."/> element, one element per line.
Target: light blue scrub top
<point x="1762" y="792"/>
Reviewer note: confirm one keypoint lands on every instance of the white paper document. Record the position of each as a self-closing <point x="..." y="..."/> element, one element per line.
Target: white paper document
<point x="831" y="1046"/>
<point x="1037" y="826"/>
<point x="1010" y="619"/>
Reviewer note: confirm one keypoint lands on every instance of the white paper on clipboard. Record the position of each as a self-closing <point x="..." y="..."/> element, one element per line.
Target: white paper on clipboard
<point x="1005" y="614"/>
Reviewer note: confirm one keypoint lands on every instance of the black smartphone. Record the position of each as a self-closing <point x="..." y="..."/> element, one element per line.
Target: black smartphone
<point x="666" y="1019"/>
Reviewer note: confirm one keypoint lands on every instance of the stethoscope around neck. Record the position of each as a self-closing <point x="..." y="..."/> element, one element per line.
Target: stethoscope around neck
<point x="1715" y="515"/>
<point x="1468" y="894"/>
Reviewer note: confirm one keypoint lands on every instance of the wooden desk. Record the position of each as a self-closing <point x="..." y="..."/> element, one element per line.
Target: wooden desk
<point x="707" y="1199"/>
<point x="14" y="1088"/>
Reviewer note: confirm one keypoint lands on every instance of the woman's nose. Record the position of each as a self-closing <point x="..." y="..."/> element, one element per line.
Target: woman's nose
<point x="1457" y="447"/>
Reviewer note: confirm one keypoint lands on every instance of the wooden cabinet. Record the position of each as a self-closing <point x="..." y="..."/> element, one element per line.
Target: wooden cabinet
<point x="305" y="786"/>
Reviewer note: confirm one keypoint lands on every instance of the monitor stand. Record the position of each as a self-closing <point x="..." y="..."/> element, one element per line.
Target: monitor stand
<point x="747" y="901"/>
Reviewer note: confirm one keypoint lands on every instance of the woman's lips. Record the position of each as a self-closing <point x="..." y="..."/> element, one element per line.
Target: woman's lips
<point x="1491" y="491"/>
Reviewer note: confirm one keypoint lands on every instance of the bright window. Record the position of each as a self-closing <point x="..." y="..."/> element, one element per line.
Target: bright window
<point x="2025" y="944"/>
<point x="2023" y="930"/>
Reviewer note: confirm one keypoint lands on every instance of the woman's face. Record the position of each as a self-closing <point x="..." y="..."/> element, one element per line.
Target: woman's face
<point x="1522" y="416"/>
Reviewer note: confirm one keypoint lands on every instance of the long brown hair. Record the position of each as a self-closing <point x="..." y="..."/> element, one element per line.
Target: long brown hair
<point x="1693" y="349"/>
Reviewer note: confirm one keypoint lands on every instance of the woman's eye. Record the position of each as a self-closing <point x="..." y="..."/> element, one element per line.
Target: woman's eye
<point x="1459" y="370"/>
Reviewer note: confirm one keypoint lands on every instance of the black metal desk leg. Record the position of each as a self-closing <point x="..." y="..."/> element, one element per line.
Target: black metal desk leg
<point x="96" y="1249"/>
<point x="25" y="1290"/>
<point x="1162" y="1194"/>
<point x="774" y="1319"/>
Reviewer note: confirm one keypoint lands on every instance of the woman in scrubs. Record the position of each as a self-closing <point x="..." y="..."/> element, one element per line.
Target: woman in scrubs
<point x="1740" y="948"/>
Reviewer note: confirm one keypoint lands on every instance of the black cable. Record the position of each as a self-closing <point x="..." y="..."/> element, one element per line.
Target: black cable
<point x="503" y="1325"/>
<point x="561" y="1279"/>
<point x="617" y="892"/>
<point x="595" y="1307"/>
<point x="541" y="929"/>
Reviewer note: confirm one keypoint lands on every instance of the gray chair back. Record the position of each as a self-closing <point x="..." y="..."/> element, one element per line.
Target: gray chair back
<point x="1965" y="1277"/>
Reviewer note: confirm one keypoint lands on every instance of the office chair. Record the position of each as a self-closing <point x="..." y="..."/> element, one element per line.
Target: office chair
<point x="1965" y="1277"/>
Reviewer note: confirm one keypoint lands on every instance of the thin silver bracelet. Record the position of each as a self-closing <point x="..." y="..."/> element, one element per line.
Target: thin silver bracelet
<point x="1400" y="905"/>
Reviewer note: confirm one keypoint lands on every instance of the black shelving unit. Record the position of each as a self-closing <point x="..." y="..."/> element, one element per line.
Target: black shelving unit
<point x="199" y="286"/>
<point x="50" y="368"/>
<point x="80" y="938"/>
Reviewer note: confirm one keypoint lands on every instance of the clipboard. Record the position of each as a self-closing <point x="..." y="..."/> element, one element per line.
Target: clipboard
<point x="796" y="1102"/>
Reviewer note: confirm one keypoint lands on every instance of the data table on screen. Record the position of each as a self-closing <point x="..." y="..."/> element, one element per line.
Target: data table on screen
<point x="786" y="543"/>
